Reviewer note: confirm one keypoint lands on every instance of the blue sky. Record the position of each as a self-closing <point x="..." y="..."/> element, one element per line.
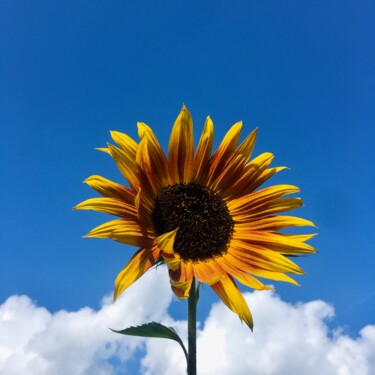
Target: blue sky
<point x="70" y="72"/>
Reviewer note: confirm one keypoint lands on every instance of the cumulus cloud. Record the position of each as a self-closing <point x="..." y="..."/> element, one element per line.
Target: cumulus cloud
<point x="35" y="342"/>
<point x="288" y="339"/>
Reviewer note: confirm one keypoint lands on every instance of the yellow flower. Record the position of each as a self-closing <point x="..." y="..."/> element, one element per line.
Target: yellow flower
<point x="204" y="214"/>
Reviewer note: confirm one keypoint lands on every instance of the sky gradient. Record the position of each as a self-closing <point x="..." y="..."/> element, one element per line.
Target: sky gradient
<point x="302" y="72"/>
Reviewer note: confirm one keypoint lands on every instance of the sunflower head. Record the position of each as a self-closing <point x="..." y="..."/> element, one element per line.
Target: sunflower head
<point x="203" y="213"/>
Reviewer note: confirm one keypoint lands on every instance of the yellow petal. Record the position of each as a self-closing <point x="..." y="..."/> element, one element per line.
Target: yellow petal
<point x="126" y="164"/>
<point x="147" y="176"/>
<point x="125" y="231"/>
<point x="273" y="223"/>
<point x="261" y="257"/>
<point x="110" y="189"/>
<point x="144" y="131"/>
<point x="208" y="272"/>
<point x="235" y="170"/>
<point x="300" y="237"/>
<point x="243" y="184"/>
<point x="144" y="206"/>
<point x="257" y="266"/>
<point x="173" y="262"/>
<point x="126" y="143"/>
<point x="181" y="288"/>
<point x="141" y="261"/>
<point x="152" y="167"/>
<point x="259" y="178"/>
<point x="110" y="206"/>
<point x="285" y="244"/>
<point x="203" y="153"/>
<point x="103" y="149"/>
<point x="182" y="274"/>
<point x="258" y="198"/>
<point x="158" y="160"/>
<point x="277" y="276"/>
<point x="231" y="172"/>
<point x="181" y="149"/>
<point x="241" y="275"/>
<point x="229" y="293"/>
<point x="225" y="151"/>
<point x="247" y="146"/>
<point x="165" y="242"/>
<point x="275" y="207"/>
<point x="181" y="280"/>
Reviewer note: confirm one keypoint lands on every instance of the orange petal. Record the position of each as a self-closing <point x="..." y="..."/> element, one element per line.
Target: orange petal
<point x="261" y="177"/>
<point x="110" y="189"/>
<point x="165" y="242"/>
<point x="272" y="223"/>
<point x="260" y="197"/>
<point x="126" y="143"/>
<point x="158" y="160"/>
<point x="173" y="261"/>
<point x="271" y="208"/>
<point x="181" y="288"/>
<point x="152" y="167"/>
<point x="181" y="149"/>
<point x="110" y="206"/>
<point x="225" y="151"/>
<point x="241" y="275"/>
<point x="126" y="164"/>
<point x="277" y="242"/>
<point x="208" y="272"/>
<point x="229" y="293"/>
<point x="250" y="173"/>
<point x="181" y="280"/>
<point x="261" y="257"/>
<point x="124" y="231"/>
<point x="148" y="174"/>
<point x="230" y="173"/>
<point x="144" y="206"/>
<point x="203" y="153"/>
<point x="141" y="261"/>
<point x="255" y="268"/>
<point x="247" y="146"/>
<point x="103" y="149"/>
<point x="277" y="276"/>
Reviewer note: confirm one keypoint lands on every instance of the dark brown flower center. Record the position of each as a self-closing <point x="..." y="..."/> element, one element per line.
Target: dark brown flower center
<point x="204" y="223"/>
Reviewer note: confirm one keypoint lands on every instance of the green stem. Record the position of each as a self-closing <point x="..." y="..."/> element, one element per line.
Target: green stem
<point x="192" y="330"/>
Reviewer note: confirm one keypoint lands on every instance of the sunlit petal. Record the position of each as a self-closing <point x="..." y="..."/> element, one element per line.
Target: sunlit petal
<point x="225" y="151"/>
<point x="229" y="293"/>
<point x="110" y="189"/>
<point x="204" y="149"/>
<point x="126" y="143"/>
<point x="140" y="262"/>
<point x="181" y="148"/>
<point x="125" y="231"/>
<point x="110" y="206"/>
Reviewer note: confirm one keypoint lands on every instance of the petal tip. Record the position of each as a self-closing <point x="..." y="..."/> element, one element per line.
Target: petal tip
<point x="249" y="322"/>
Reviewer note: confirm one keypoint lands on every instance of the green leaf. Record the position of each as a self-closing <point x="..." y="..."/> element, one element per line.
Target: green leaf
<point x="153" y="329"/>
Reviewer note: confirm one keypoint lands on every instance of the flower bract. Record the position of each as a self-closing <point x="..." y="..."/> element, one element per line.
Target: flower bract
<point x="203" y="213"/>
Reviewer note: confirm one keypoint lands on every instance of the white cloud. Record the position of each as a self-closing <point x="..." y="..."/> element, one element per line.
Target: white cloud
<point x="288" y="339"/>
<point x="35" y="342"/>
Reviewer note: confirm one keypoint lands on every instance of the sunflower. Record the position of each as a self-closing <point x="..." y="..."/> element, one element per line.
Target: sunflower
<point x="201" y="213"/>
